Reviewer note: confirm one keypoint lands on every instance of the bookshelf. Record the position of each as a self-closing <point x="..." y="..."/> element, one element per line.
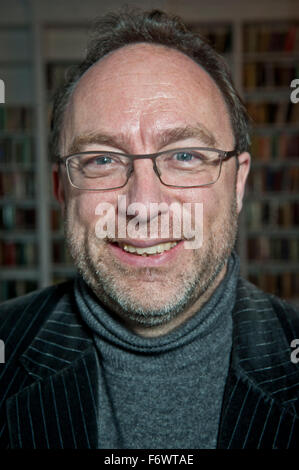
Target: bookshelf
<point x="270" y="62"/>
<point x="64" y="48"/>
<point x="18" y="210"/>
<point x="18" y="225"/>
<point x="264" y="59"/>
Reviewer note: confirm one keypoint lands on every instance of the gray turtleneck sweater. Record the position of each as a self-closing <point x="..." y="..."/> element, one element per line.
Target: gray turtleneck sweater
<point x="165" y="392"/>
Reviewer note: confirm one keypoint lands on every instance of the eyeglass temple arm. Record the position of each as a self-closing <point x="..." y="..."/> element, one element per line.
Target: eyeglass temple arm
<point x="229" y="154"/>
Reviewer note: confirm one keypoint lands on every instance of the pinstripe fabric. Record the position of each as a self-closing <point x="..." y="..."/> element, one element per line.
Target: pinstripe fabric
<point x="52" y="398"/>
<point x="260" y="408"/>
<point x="48" y="386"/>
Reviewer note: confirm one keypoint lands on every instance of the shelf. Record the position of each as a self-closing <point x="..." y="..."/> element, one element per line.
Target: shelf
<point x="269" y="94"/>
<point x="13" y="273"/>
<point x="273" y="232"/>
<point x="271" y="129"/>
<point x="279" y="196"/>
<point x="272" y="267"/>
<point x="58" y="235"/>
<point x="16" y="133"/>
<point x="257" y="163"/>
<point x="63" y="270"/>
<point x="22" y="203"/>
<point x="20" y="235"/>
<point x="282" y="57"/>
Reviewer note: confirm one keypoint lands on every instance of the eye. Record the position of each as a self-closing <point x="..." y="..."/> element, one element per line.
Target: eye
<point x="183" y="156"/>
<point x="102" y="160"/>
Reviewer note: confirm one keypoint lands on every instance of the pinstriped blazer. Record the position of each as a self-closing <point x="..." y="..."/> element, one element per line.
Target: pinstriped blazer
<point x="48" y="383"/>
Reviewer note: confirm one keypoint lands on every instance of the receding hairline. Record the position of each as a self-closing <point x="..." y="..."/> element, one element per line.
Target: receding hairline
<point x="73" y="147"/>
<point x="144" y="45"/>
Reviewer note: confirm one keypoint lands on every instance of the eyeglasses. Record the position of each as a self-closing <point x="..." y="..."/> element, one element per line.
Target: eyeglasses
<point x="178" y="168"/>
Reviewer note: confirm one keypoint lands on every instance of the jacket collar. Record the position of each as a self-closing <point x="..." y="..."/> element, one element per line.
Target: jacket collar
<point x="62" y="340"/>
<point x="257" y="330"/>
<point x="259" y="371"/>
<point x="260" y="405"/>
<point x="60" y="407"/>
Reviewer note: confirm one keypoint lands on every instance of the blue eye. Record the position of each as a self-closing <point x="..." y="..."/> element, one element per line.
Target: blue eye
<point x="183" y="156"/>
<point x="103" y="160"/>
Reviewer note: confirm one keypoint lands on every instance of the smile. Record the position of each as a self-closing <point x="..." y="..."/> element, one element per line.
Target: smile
<point x="146" y="253"/>
<point x="148" y="250"/>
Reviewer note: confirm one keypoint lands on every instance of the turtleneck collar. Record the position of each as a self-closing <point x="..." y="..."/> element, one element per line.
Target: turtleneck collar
<point x="117" y="343"/>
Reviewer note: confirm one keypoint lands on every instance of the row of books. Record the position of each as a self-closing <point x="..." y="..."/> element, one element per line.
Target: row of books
<point x="60" y="253"/>
<point x="56" y="74"/>
<point x="17" y="150"/>
<point x="219" y="37"/>
<point x="273" y="113"/>
<point x="264" y="248"/>
<point x="10" y="289"/>
<point x="16" y="118"/>
<point x="274" y="213"/>
<point x="285" y="285"/>
<point x="14" y="253"/>
<point x="271" y="37"/>
<point x="12" y="217"/>
<point x="18" y="184"/>
<point x="18" y="253"/>
<point x="274" y="179"/>
<point x="274" y="146"/>
<point x="56" y="221"/>
<point x="268" y="74"/>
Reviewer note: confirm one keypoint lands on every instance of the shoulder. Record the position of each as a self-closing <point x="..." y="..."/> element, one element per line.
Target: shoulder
<point x="28" y="312"/>
<point x="265" y="328"/>
<point x="259" y="305"/>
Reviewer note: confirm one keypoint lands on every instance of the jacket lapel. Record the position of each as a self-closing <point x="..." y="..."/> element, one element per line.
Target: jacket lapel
<point x="59" y="408"/>
<point x="260" y="406"/>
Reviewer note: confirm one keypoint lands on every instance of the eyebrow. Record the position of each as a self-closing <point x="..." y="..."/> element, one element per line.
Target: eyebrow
<point x="163" y="138"/>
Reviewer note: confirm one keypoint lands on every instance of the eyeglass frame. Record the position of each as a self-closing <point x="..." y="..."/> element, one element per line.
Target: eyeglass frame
<point x="222" y="154"/>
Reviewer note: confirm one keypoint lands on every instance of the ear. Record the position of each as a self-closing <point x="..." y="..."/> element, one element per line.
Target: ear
<point x="58" y="186"/>
<point x="242" y="174"/>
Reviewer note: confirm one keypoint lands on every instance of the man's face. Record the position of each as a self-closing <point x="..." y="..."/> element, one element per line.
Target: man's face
<point x="131" y="101"/>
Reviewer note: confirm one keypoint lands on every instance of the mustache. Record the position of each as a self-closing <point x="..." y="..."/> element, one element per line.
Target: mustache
<point x="193" y="237"/>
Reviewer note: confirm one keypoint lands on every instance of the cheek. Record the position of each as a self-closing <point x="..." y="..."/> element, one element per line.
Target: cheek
<point x="216" y="208"/>
<point x="84" y="209"/>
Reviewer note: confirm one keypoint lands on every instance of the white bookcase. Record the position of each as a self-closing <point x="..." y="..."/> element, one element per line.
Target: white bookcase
<point x="38" y="40"/>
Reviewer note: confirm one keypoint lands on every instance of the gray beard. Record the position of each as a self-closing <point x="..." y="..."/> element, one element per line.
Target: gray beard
<point x="106" y="287"/>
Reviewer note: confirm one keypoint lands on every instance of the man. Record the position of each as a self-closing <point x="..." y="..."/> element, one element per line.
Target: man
<point x="158" y="342"/>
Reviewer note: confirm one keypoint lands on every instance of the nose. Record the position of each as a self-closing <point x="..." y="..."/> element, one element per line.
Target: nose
<point x="144" y="187"/>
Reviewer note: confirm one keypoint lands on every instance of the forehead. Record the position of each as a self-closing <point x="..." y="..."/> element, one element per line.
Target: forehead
<point x="147" y="86"/>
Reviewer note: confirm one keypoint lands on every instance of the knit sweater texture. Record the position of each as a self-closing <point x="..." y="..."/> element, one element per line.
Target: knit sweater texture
<point x="164" y="392"/>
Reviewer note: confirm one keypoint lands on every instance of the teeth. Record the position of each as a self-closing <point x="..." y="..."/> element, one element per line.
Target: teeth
<point x="149" y="250"/>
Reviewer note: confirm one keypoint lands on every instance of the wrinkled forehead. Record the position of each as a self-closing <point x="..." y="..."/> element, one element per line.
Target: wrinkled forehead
<point x="147" y="83"/>
<point x="156" y="62"/>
